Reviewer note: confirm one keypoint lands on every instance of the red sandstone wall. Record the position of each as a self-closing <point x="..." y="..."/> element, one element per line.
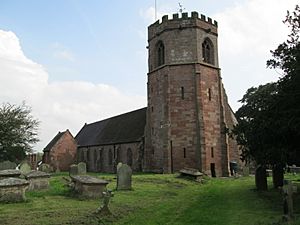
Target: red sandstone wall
<point x="63" y="153"/>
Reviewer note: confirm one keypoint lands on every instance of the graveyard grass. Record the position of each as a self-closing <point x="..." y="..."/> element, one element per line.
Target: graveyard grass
<point x="155" y="199"/>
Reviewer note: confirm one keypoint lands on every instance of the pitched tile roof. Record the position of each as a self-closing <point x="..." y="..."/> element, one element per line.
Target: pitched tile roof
<point x="53" y="141"/>
<point x="124" y="128"/>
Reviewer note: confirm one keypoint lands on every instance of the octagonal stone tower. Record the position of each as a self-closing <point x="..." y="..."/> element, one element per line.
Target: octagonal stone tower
<point x="187" y="112"/>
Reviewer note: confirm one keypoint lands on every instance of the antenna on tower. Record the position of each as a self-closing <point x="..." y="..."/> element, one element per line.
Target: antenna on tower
<point x="180" y="8"/>
<point x="155" y="10"/>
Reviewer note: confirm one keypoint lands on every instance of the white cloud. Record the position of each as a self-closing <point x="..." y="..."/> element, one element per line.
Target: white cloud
<point x="61" y="52"/>
<point x="58" y="105"/>
<point x="247" y="33"/>
<point x="64" y="54"/>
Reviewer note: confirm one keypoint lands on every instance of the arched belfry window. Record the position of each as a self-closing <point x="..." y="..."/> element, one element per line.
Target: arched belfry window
<point x="160" y="53"/>
<point x="208" y="51"/>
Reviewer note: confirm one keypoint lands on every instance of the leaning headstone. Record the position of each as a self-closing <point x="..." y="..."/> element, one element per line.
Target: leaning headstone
<point x="25" y="168"/>
<point x="124" y="173"/>
<point x="6" y="165"/>
<point x="73" y="170"/>
<point x="81" y="168"/>
<point x="103" y="209"/>
<point x="44" y="167"/>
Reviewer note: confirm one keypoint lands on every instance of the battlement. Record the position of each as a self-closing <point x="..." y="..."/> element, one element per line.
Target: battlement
<point x="185" y="16"/>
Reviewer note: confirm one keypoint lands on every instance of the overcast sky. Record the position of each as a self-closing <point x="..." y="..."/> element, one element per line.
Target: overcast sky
<point x="78" y="61"/>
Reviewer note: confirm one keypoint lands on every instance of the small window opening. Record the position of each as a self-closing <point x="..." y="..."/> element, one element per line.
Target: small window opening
<point x="209" y="94"/>
<point x="152" y="109"/>
<point x="182" y="92"/>
<point x="110" y="157"/>
<point x="212" y="152"/>
<point x="160" y="53"/>
<point x="184" y="152"/>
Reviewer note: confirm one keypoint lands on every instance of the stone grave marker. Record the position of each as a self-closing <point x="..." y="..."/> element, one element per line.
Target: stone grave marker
<point x="13" y="190"/>
<point x="44" y="167"/>
<point x="25" y="168"/>
<point x="38" y="180"/>
<point x="124" y="174"/>
<point x="103" y="209"/>
<point x="88" y="186"/>
<point x="6" y="165"/>
<point x="191" y="173"/>
<point x="4" y="174"/>
<point x="288" y="211"/>
<point x="73" y="170"/>
<point x="246" y="171"/>
<point x="81" y="168"/>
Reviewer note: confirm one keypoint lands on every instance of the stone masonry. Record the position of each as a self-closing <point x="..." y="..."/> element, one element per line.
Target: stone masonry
<point x="187" y="112"/>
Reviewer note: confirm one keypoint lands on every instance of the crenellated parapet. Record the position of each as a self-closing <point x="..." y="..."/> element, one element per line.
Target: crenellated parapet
<point x="183" y="22"/>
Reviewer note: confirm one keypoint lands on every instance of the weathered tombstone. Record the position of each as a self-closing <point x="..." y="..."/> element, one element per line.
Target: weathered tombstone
<point x="103" y="209"/>
<point x="81" y="168"/>
<point x="25" y="168"/>
<point x="88" y="186"/>
<point x="73" y="170"/>
<point x="191" y="173"/>
<point x="4" y="174"/>
<point x="124" y="173"/>
<point x="246" y="171"/>
<point x="261" y="178"/>
<point x="44" y="167"/>
<point x="6" y="165"/>
<point x="288" y="212"/>
<point x="57" y="169"/>
<point x="38" y="180"/>
<point x="13" y="190"/>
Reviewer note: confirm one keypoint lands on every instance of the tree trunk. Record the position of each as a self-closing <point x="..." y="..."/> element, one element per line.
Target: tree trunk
<point x="261" y="178"/>
<point x="277" y="175"/>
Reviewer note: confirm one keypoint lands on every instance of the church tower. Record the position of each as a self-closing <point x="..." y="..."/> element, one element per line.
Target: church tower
<point x="188" y="112"/>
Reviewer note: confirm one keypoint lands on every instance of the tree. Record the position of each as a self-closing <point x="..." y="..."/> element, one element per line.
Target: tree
<point x="255" y="129"/>
<point x="269" y="119"/>
<point x="287" y="58"/>
<point x="18" y="131"/>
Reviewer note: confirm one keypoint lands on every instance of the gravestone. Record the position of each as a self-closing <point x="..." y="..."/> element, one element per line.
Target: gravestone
<point x="246" y="171"/>
<point x="288" y="211"/>
<point x="6" y="165"/>
<point x="124" y="174"/>
<point x="13" y="190"/>
<point x="191" y="173"/>
<point x="73" y="170"/>
<point x="103" y="209"/>
<point x="81" y="168"/>
<point x="88" y="186"/>
<point x="4" y="174"/>
<point x="38" y="180"/>
<point x="44" y="167"/>
<point x="25" y="168"/>
<point x="260" y="178"/>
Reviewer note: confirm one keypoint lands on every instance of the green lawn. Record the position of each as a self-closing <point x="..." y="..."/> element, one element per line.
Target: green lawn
<point x="156" y="199"/>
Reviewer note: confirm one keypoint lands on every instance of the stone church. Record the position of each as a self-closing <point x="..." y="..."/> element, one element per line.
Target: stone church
<point x="187" y="115"/>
